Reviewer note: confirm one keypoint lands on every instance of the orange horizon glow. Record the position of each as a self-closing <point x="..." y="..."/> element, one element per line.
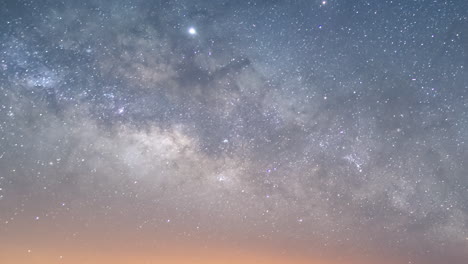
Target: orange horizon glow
<point x="183" y="256"/>
<point x="173" y="253"/>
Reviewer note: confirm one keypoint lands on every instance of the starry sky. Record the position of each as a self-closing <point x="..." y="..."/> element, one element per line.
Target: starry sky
<point x="185" y="131"/>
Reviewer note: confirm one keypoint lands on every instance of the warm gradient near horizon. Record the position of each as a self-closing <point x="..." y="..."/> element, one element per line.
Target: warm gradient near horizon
<point x="319" y="132"/>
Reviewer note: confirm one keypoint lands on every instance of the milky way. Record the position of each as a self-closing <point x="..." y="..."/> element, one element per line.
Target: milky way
<point x="331" y="130"/>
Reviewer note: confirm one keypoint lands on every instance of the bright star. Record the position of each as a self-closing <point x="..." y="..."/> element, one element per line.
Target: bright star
<point x="192" y="31"/>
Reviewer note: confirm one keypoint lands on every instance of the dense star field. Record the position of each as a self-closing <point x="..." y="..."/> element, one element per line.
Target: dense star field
<point x="187" y="131"/>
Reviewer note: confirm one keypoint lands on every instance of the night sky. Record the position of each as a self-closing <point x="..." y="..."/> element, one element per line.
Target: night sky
<point x="320" y="132"/>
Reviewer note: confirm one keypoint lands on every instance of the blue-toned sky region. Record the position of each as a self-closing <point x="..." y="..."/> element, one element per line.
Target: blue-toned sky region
<point x="316" y="126"/>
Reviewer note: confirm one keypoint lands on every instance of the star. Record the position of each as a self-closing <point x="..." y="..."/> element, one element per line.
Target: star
<point x="192" y="31"/>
